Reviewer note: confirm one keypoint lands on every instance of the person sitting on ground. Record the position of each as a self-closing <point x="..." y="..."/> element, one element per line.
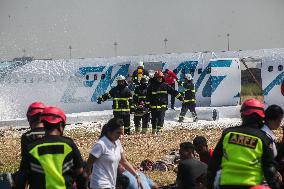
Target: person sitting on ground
<point x="189" y="168"/>
<point x="201" y="147"/>
<point x="147" y="183"/>
<point x="122" y="182"/>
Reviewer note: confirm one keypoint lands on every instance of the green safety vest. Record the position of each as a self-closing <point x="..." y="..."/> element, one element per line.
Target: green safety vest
<point x="51" y="157"/>
<point x="241" y="161"/>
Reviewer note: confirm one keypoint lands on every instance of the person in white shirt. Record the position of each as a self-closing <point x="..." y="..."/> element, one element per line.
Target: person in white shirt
<point x="272" y="121"/>
<point x="105" y="156"/>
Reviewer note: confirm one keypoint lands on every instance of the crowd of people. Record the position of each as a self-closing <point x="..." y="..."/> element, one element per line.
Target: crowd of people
<point x="150" y="98"/>
<point x="246" y="157"/>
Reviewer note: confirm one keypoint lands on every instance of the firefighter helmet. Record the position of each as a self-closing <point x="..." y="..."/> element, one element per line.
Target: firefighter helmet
<point x="35" y="108"/>
<point x="144" y="79"/>
<point x="120" y="78"/>
<point x="141" y="64"/>
<point x="53" y="115"/>
<point x="251" y="106"/>
<point x="188" y="77"/>
<point x="159" y="74"/>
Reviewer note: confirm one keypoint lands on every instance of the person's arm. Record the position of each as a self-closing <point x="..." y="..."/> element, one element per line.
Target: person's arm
<point x="269" y="166"/>
<point x="127" y="165"/>
<point x="81" y="176"/>
<point x="173" y="92"/>
<point x="96" y="153"/>
<point x="22" y="176"/>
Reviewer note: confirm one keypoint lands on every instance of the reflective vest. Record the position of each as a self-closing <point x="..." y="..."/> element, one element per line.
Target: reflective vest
<point x="51" y="157"/>
<point x="241" y="161"/>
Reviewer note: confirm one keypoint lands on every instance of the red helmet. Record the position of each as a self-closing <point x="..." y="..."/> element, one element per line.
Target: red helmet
<point x="251" y="106"/>
<point x="159" y="74"/>
<point x="53" y="115"/>
<point x="35" y="108"/>
<point x="260" y="187"/>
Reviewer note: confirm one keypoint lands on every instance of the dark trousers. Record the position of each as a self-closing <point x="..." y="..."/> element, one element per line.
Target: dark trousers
<point x="173" y="98"/>
<point x="145" y="121"/>
<point x="126" y="120"/>
<point x="185" y="107"/>
<point x="157" y="119"/>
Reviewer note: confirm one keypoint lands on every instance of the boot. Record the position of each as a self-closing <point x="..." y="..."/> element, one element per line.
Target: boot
<point x="144" y="130"/>
<point x="180" y="119"/>
<point x="137" y="129"/>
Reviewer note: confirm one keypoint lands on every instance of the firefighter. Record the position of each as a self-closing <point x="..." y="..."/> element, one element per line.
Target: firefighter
<point x="157" y="100"/>
<point x="141" y="112"/>
<point x="138" y="73"/>
<point x="244" y="153"/>
<point x="37" y="128"/>
<point x="189" y="98"/>
<point x="122" y="101"/>
<point x="53" y="161"/>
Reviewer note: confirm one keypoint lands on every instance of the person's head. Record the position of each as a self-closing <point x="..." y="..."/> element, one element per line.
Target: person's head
<point x="186" y="150"/>
<point x="122" y="181"/>
<point x="54" y="120"/>
<point x="273" y="116"/>
<point x="33" y="114"/>
<point x="188" y="77"/>
<point x="200" y="144"/>
<point x="252" y="112"/>
<point x="113" y="129"/>
<point x="121" y="81"/>
<point x="159" y="76"/>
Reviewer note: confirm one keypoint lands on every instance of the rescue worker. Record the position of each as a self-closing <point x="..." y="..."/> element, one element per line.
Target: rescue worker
<point x="36" y="127"/>
<point x="122" y="102"/>
<point x="141" y="112"/>
<point x="189" y="98"/>
<point x="244" y="153"/>
<point x="157" y="100"/>
<point x="53" y="161"/>
<point x="170" y="78"/>
<point x="138" y="73"/>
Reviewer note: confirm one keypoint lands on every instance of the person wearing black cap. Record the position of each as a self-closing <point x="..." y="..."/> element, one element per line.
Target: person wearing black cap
<point x="201" y="147"/>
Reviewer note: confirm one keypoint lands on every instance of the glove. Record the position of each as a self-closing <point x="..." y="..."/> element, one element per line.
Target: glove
<point x="99" y="100"/>
<point x="181" y="98"/>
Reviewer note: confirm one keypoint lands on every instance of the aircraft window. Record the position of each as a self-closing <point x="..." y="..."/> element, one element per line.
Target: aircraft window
<point x="103" y="76"/>
<point x="280" y="68"/>
<point x="270" y="68"/>
<point x="87" y="77"/>
<point x="95" y="77"/>
<point x="208" y="70"/>
<point x="199" y="70"/>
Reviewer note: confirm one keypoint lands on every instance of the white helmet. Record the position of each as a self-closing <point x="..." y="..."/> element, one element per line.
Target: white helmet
<point x="140" y="64"/>
<point x="120" y="78"/>
<point x="144" y="79"/>
<point x="151" y="73"/>
<point x="188" y="77"/>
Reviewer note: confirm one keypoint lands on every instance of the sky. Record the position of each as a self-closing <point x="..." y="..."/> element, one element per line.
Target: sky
<point x="46" y="28"/>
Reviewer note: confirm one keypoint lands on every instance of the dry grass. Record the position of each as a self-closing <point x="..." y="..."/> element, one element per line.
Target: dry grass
<point x="136" y="147"/>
